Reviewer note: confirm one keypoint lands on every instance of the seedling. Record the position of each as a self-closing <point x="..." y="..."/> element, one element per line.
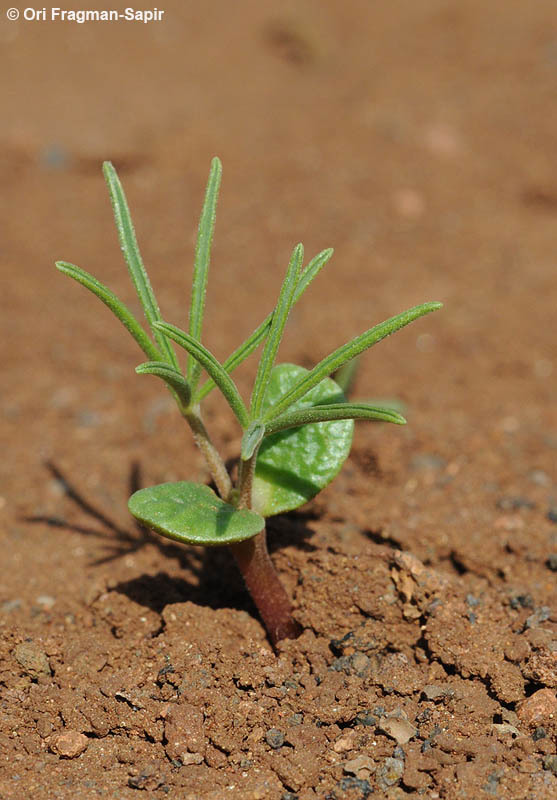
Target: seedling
<point x="296" y="429"/>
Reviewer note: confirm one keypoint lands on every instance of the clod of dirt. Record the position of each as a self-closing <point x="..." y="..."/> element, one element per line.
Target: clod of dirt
<point x="33" y="660"/>
<point x="541" y="666"/>
<point x="540" y="707"/>
<point x="185" y="734"/>
<point x="69" y="744"/>
<point x="146" y="777"/>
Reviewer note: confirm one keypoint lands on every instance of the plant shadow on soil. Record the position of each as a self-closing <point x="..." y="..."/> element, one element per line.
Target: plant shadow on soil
<point x="206" y="565"/>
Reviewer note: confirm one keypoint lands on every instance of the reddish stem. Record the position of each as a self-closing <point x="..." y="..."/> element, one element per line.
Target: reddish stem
<point x="265" y="588"/>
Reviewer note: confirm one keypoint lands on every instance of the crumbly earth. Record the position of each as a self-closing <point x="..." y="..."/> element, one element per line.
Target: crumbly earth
<point x="419" y="140"/>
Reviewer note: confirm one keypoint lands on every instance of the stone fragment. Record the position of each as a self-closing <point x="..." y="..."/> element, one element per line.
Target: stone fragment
<point x="361" y="767"/>
<point x="33" y="660"/>
<point x="390" y="772"/>
<point x="191" y="758"/>
<point x="397" y="726"/>
<point x="540" y="615"/>
<point x="274" y="738"/>
<point x="506" y="727"/>
<point x="550" y="764"/>
<point x="69" y="744"/>
<point x="360" y="664"/>
<point x="539" y="707"/>
<point x="434" y="692"/>
<point x="345" y="743"/>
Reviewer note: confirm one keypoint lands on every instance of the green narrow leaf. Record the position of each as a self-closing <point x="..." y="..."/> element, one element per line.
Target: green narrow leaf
<point x="280" y="315"/>
<point x="312" y="271"/>
<point x="213" y="367"/>
<point x="251" y="439"/>
<point x="193" y="514"/>
<point x="174" y="379"/>
<point x="327" y="413"/>
<point x="345" y="353"/>
<point x="201" y="263"/>
<point x="346" y="375"/>
<point x="132" y="256"/>
<point x="252" y="342"/>
<point x="114" y="304"/>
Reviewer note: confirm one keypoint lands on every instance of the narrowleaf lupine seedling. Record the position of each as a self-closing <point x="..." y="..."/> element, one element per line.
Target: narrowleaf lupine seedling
<point x="297" y="427"/>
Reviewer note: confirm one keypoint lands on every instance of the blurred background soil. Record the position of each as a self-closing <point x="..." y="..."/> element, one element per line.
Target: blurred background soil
<point x="417" y="139"/>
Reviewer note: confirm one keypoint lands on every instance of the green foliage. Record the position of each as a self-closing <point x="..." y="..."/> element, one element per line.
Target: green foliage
<point x="201" y="263"/>
<point x="193" y="514"/>
<point x="297" y="429"/>
<point x="296" y="462"/>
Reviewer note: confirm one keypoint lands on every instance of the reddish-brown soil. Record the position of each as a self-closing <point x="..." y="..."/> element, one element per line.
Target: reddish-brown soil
<point x="418" y="139"/>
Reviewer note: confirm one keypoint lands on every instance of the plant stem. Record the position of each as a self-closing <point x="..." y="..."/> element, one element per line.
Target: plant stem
<point x="260" y="576"/>
<point x="218" y="471"/>
<point x="265" y="588"/>
<point x="246" y="471"/>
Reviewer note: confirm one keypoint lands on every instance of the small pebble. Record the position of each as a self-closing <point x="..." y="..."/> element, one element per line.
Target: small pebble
<point x="69" y="744"/>
<point x="522" y="601"/>
<point x="505" y="727"/>
<point x="514" y="503"/>
<point x="472" y="600"/>
<point x="345" y="743"/>
<point x="187" y="759"/>
<point x="397" y="726"/>
<point x="390" y="772"/>
<point x="550" y="763"/>
<point x="442" y="140"/>
<point x="360" y="664"/>
<point x="361" y="767"/>
<point x="427" y="461"/>
<point x="493" y="782"/>
<point x="538" y="734"/>
<point x="540" y="615"/>
<point x="552" y="562"/>
<point x="539" y="477"/>
<point x="46" y="601"/>
<point x="54" y="156"/>
<point x="366" y="719"/>
<point x="274" y="738"/>
<point x="358" y="784"/>
<point x="33" y="660"/>
<point x="11" y="605"/>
